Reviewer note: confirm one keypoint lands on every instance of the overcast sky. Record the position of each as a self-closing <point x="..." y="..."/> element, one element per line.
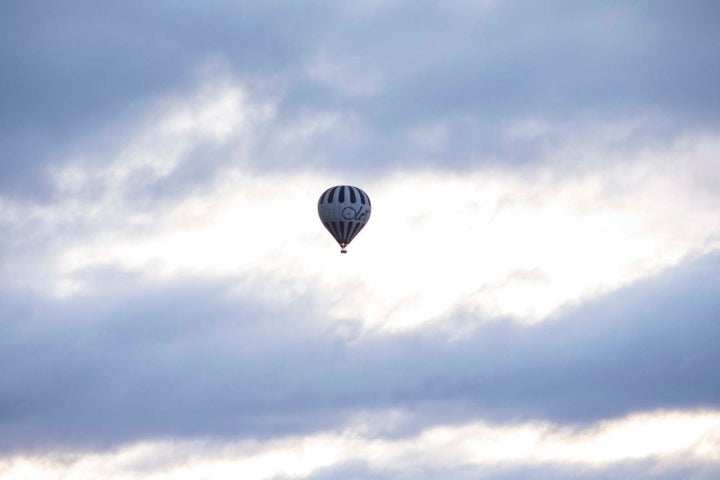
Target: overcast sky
<point x="537" y="293"/>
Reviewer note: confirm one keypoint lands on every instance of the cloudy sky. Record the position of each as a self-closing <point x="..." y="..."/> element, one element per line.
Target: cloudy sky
<point x="537" y="294"/>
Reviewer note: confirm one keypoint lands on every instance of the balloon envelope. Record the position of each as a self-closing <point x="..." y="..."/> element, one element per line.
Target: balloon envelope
<point x="344" y="210"/>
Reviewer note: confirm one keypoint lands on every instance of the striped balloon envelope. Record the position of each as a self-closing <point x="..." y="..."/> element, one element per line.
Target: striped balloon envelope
<point x="344" y="210"/>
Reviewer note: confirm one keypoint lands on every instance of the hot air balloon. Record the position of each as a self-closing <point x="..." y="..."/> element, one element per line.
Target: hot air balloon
<point x="344" y="210"/>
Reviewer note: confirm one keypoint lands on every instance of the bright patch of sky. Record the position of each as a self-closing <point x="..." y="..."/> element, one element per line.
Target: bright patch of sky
<point x="518" y="244"/>
<point x="685" y="437"/>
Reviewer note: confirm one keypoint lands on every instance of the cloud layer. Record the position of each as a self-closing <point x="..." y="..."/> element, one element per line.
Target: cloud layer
<point x="536" y="293"/>
<point x="187" y="361"/>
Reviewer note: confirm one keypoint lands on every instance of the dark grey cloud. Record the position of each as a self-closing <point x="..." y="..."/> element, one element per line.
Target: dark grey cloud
<point x="564" y="58"/>
<point x="582" y="64"/>
<point x="71" y="69"/>
<point x="187" y="359"/>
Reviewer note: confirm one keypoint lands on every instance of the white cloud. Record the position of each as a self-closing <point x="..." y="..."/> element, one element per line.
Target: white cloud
<point x="500" y="242"/>
<point x="681" y="436"/>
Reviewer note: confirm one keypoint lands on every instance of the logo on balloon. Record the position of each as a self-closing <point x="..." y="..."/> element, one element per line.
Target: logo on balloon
<point x="349" y="213"/>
